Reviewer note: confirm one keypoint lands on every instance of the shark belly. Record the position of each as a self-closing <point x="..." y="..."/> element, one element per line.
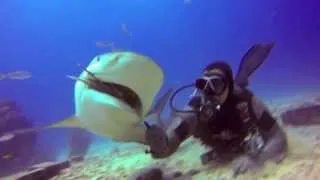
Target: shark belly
<point x="104" y="114"/>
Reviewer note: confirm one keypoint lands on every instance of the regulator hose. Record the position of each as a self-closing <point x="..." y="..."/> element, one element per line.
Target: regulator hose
<point x="174" y="95"/>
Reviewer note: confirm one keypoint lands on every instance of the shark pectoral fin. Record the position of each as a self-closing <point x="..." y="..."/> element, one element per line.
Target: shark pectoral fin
<point x="154" y="113"/>
<point x="159" y="105"/>
<point x="70" y="122"/>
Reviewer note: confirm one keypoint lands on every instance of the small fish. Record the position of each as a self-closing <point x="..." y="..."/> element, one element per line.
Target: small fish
<point x="7" y="156"/>
<point x="111" y="45"/>
<point x="125" y="29"/>
<point x="19" y="75"/>
<point x="10" y="135"/>
<point x="6" y="137"/>
<point x="104" y="44"/>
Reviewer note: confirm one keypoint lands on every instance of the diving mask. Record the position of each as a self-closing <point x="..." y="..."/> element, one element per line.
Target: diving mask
<point x="207" y="107"/>
<point x="211" y="85"/>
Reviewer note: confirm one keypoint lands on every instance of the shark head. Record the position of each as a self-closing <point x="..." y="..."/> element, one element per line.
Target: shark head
<point x="115" y="91"/>
<point x="113" y="96"/>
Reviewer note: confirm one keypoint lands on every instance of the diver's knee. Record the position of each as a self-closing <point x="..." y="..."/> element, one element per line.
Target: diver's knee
<point x="281" y="140"/>
<point x="282" y="147"/>
<point x="279" y="143"/>
<point x="276" y="146"/>
<point x="278" y="136"/>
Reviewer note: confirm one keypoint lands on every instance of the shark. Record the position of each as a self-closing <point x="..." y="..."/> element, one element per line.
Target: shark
<point x="113" y="96"/>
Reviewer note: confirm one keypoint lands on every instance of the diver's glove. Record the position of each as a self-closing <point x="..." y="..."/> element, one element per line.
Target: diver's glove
<point x="158" y="141"/>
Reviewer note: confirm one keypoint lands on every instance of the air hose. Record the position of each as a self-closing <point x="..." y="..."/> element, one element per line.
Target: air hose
<point x="174" y="95"/>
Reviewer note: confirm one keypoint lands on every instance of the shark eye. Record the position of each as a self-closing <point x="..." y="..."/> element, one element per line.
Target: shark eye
<point x="98" y="58"/>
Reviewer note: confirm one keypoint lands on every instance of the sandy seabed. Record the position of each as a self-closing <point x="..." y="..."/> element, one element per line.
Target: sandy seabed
<point x="117" y="161"/>
<point x="121" y="161"/>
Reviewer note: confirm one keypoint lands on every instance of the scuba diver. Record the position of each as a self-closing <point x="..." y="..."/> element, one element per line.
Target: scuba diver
<point x="226" y="117"/>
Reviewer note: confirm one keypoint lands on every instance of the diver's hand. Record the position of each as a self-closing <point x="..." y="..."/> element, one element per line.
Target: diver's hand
<point x="157" y="139"/>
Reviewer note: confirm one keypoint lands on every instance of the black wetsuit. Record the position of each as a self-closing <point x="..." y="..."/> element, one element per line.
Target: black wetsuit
<point x="242" y="129"/>
<point x="239" y="116"/>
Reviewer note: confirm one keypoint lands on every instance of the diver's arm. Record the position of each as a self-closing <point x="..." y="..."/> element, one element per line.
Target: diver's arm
<point x="275" y="141"/>
<point x="183" y="126"/>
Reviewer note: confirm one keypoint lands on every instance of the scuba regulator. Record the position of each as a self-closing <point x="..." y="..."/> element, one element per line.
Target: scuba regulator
<point x="207" y="88"/>
<point x="206" y="110"/>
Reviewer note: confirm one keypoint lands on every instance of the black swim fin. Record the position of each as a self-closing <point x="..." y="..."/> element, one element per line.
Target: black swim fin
<point x="254" y="57"/>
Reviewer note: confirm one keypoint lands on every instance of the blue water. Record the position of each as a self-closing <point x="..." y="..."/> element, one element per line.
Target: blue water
<point x="50" y="37"/>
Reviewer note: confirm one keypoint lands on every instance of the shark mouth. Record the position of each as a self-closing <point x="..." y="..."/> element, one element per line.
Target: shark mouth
<point x="118" y="91"/>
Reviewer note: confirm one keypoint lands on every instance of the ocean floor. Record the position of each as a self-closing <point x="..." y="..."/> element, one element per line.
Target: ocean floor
<point x="119" y="161"/>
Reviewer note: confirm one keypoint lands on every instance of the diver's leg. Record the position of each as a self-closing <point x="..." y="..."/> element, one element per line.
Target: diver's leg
<point x="276" y="147"/>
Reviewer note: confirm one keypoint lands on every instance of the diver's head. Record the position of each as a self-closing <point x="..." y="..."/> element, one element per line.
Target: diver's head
<point x="216" y="81"/>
